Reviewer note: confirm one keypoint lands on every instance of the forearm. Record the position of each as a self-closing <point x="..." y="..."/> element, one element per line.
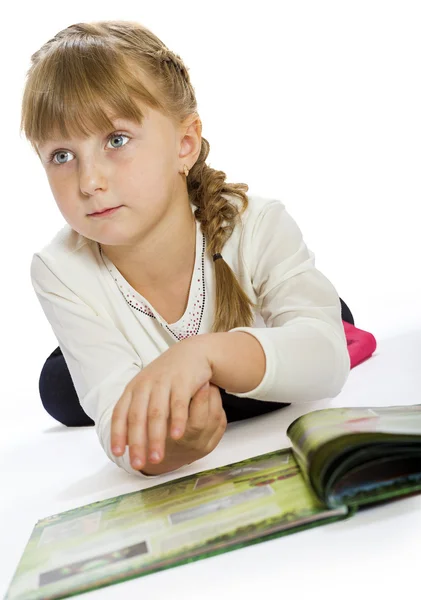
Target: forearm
<point x="237" y="359"/>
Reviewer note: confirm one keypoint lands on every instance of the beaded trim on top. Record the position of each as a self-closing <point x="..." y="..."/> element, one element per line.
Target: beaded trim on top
<point x="189" y="324"/>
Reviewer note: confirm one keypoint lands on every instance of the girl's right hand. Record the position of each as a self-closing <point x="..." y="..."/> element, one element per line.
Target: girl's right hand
<point x="206" y="425"/>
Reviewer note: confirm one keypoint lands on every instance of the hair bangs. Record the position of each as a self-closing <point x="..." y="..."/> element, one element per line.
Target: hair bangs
<point x="76" y="90"/>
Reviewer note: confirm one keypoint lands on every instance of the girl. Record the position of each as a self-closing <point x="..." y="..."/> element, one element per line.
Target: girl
<point x="167" y="284"/>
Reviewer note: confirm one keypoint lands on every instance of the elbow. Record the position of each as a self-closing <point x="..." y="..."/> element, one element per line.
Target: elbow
<point x="339" y="368"/>
<point x="307" y="361"/>
<point x="328" y="370"/>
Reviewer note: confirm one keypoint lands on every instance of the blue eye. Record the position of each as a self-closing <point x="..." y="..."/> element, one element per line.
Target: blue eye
<point x="64" y="152"/>
<point x="59" y="153"/>
<point x="118" y="135"/>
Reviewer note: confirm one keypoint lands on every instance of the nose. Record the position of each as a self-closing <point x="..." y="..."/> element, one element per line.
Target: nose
<point x="91" y="178"/>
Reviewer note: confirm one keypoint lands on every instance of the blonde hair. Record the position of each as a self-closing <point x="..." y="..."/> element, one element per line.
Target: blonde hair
<point x="67" y="82"/>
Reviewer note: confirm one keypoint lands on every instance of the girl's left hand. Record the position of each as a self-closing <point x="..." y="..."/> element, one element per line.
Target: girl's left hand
<point x="159" y="394"/>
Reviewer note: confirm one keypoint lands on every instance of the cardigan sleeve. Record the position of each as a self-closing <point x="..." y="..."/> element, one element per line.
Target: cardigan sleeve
<point x="304" y="340"/>
<point x="101" y="361"/>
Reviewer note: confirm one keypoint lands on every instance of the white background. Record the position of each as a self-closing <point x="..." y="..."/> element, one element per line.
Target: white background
<point x="316" y="103"/>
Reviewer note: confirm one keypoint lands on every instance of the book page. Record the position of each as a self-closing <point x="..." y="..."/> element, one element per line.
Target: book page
<point x="312" y="430"/>
<point x="149" y="530"/>
<point x="330" y="442"/>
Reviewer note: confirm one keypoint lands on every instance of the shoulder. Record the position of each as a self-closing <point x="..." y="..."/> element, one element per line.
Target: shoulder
<point x="66" y="241"/>
<point x="260" y="211"/>
<point x="68" y="255"/>
<point x="267" y="233"/>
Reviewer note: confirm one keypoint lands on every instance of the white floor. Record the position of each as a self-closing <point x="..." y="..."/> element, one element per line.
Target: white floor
<point x="47" y="468"/>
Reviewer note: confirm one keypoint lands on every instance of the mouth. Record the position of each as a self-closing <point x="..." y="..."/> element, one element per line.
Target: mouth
<point x="107" y="211"/>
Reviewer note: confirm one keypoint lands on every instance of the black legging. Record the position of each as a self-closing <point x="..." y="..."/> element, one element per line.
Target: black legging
<point x="59" y="398"/>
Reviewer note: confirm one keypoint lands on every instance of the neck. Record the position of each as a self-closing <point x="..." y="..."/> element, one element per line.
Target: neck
<point x="164" y="257"/>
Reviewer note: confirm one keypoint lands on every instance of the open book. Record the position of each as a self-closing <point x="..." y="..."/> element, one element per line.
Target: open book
<point x="340" y="459"/>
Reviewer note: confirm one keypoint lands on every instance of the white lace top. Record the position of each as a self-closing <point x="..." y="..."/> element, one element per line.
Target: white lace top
<point x="108" y="332"/>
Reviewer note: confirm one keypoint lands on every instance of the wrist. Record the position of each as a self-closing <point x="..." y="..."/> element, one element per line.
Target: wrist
<point x="237" y="360"/>
<point x="207" y="345"/>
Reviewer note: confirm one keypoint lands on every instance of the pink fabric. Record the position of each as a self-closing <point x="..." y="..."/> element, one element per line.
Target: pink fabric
<point x="361" y="344"/>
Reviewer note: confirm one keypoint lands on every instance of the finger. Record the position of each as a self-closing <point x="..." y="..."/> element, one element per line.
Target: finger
<point x="198" y="412"/>
<point x="119" y="424"/>
<point x="179" y="408"/>
<point x="137" y="420"/>
<point x="158" y="411"/>
<point x="216" y="436"/>
<point x="216" y="409"/>
<point x="216" y="414"/>
<point x="217" y="420"/>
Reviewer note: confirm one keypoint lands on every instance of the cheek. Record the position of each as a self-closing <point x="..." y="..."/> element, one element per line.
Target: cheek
<point x="59" y="188"/>
<point x="63" y="190"/>
<point x="150" y="172"/>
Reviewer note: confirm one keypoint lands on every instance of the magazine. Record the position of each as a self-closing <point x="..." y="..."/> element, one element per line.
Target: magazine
<point x="339" y="459"/>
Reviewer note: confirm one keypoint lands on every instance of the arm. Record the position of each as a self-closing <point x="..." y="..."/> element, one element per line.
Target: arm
<point x="304" y="344"/>
<point x="237" y="359"/>
<point x="100" y="359"/>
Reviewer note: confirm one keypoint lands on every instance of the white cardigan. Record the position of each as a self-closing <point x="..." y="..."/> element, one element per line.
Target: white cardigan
<point x="107" y="331"/>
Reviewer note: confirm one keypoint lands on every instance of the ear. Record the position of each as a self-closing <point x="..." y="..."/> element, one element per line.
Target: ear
<point x="190" y="140"/>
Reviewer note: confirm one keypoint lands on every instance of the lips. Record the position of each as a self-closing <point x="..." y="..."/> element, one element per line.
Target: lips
<point x="103" y="211"/>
